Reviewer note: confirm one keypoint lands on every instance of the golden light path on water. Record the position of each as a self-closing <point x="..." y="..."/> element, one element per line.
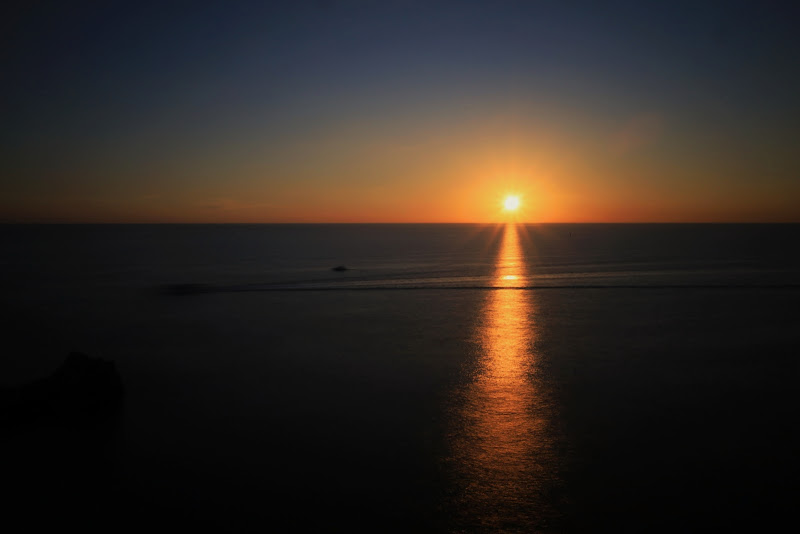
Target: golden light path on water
<point x="501" y="448"/>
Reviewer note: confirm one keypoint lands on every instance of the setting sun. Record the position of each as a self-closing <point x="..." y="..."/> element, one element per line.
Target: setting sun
<point x="511" y="203"/>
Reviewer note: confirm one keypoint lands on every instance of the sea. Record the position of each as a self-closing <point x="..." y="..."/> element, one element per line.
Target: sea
<point x="445" y="378"/>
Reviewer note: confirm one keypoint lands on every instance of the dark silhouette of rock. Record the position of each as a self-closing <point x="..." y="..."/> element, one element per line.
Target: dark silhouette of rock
<point x="82" y="389"/>
<point x="60" y="435"/>
<point x="339" y="268"/>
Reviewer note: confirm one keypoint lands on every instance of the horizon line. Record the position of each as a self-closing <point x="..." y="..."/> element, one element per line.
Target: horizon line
<point x="297" y="223"/>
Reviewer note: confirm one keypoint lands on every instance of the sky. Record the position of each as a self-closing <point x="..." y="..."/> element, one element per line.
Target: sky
<point x="357" y="111"/>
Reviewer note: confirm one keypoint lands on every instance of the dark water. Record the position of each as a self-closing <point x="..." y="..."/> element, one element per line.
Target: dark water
<point x="456" y="378"/>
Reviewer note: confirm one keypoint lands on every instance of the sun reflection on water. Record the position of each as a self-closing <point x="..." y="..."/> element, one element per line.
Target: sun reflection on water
<point x="501" y="448"/>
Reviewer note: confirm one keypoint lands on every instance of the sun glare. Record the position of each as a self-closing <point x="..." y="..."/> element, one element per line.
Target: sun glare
<point x="511" y="203"/>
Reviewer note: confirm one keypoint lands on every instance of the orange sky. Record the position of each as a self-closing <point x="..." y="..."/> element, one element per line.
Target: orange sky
<point x="427" y="176"/>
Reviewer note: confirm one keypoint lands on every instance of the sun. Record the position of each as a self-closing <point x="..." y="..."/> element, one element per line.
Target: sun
<point x="511" y="203"/>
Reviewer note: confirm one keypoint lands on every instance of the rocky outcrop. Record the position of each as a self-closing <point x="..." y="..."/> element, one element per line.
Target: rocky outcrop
<point x="82" y="390"/>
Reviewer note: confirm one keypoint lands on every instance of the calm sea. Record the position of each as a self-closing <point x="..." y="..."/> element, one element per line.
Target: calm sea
<point x="454" y="378"/>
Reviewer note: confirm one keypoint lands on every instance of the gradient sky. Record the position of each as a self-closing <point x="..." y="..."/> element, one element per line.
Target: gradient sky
<point x="399" y="111"/>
